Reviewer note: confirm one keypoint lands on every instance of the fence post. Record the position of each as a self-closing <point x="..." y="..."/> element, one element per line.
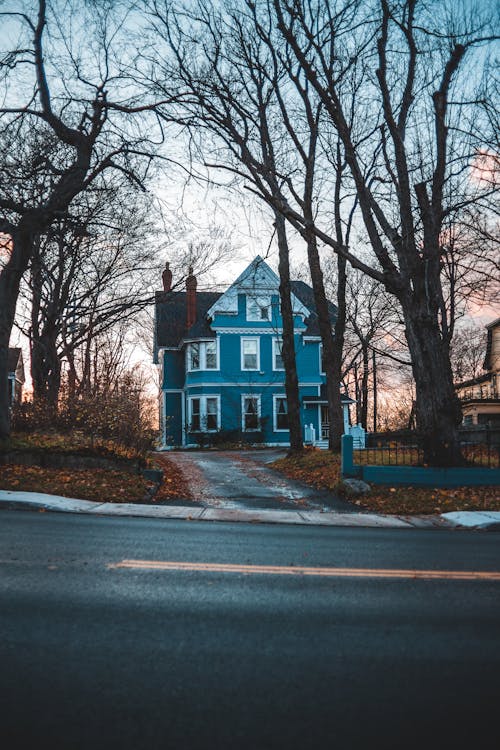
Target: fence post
<point x="347" y="467"/>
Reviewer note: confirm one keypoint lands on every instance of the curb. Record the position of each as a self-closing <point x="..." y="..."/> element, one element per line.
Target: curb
<point x="37" y="501"/>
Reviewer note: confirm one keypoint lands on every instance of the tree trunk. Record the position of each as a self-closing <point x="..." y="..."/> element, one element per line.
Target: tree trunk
<point x="45" y="362"/>
<point x="364" y="388"/>
<point x="331" y="357"/>
<point x="288" y="346"/>
<point x="438" y="411"/>
<point x="10" y="279"/>
<point x="338" y="350"/>
<point x="45" y="370"/>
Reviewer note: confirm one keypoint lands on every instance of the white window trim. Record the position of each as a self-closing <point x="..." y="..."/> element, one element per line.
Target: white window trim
<point x="203" y="356"/>
<point x="276" y="396"/>
<point x="250" y="369"/>
<point x="243" y="397"/>
<point x="277" y="339"/>
<point x="321" y="371"/>
<point x="203" y="410"/>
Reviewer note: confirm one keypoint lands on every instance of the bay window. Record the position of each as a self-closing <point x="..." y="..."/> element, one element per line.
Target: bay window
<point x="204" y="413"/>
<point x="202" y="355"/>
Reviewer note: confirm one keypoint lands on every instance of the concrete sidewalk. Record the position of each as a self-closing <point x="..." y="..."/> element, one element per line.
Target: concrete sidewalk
<point x="39" y="501"/>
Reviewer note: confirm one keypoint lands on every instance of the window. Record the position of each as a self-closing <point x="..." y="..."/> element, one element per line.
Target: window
<point x="280" y="413"/>
<point x="194" y="357"/>
<point x="202" y="355"/>
<point x="321" y="360"/>
<point x="250" y="355"/>
<point x="204" y="413"/>
<point x="258" y="308"/>
<point x="278" y="355"/>
<point x="250" y="413"/>
<point x="195" y="416"/>
<point x="211" y="413"/>
<point x="211" y="355"/>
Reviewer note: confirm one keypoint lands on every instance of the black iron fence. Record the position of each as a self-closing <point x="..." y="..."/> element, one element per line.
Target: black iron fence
<point x="480" y="447"/>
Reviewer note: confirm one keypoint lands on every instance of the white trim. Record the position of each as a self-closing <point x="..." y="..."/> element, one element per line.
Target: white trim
<point x="259" y="280"/>
<point x="183" y="419"/>
<point x="173" y="390"/>
<point x="164" y="415"/>
<point x="311" y="338"/>
<point x="246" y="383"/>
<point x="270" y="329"/>
<point x="275" y="428"/>
<point x="321" y="371"/>
<point x="277" y="339"/>
<point x="242" y="359"/>
<point x="202" y="397"/>
<point x="257" y="397"/>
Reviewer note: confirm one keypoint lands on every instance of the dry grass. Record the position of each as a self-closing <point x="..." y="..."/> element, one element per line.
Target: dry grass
<point x="322" y="470"/>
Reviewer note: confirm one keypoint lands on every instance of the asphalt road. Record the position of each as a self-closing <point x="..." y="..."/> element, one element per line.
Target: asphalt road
<point x="97" y="652"/>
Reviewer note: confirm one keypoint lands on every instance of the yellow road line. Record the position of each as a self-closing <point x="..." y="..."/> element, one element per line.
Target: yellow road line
<point x="206" y="567"/>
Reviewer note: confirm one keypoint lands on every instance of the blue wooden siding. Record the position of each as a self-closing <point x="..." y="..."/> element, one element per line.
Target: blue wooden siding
<point x="173" y="369"/>
<point x="173" y="422"/>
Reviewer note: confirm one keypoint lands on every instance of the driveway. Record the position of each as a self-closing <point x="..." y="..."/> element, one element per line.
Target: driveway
<point x="244" y="480"/>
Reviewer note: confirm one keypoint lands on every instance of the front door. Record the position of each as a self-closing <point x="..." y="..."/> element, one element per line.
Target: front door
<point x="325" y="423"/>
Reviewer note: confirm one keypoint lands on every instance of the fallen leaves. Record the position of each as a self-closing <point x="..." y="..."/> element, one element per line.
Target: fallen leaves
<point x="322" y="470"/>
<point x="99" y="485"/>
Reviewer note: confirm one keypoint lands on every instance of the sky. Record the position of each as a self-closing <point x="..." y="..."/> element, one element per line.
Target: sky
<point x="249" y="229"/>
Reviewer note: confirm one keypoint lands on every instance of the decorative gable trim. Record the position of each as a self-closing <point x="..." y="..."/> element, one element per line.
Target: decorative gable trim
<point x="254" y="331"/>
<point x="257" y="277"/>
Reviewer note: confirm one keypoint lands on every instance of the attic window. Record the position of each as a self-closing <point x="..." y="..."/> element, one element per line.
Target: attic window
<point x="258" y="309"/>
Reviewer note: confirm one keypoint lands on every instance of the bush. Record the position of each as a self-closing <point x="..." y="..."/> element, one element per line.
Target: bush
<point x="120" y="415"/>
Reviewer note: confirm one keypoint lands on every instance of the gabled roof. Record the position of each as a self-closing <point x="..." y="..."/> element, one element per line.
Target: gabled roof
<point x="306" y="295"/>
<point x="15" y="354"/>
<point x="489" y="343"/>
<point x="171" y="307"/>
<point x="171" y="316"/>
<point x="474" y="381"/>
<point x="257" y="278"/>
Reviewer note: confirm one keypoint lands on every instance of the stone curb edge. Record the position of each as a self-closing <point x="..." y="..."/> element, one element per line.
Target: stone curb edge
<point x="464" y="520"/>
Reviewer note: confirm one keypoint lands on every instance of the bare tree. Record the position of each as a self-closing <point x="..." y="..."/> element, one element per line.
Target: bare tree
<point x="68" y="116"/>
<point x="252" y="113"/>
<point x="414" y="95"/>
<point x="89" y="271"/>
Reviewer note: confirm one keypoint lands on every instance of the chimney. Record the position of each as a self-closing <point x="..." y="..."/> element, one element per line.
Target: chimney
<point x="166" y="277"/>
<point x="191" y="298"/>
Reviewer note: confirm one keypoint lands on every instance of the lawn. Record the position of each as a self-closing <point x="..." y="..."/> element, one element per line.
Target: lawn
<point x="98" y="485"/>
<point x="322" y="470"/>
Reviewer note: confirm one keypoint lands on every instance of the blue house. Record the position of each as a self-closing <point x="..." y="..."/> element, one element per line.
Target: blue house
<point x="222" y="374"/>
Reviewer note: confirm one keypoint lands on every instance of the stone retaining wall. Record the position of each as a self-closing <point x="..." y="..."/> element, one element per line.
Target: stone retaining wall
<point x="69" y="461"/>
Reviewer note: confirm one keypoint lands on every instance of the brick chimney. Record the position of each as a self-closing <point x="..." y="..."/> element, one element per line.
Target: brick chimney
<point x="166" y="277"/>
<point x="191" y="298"/>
